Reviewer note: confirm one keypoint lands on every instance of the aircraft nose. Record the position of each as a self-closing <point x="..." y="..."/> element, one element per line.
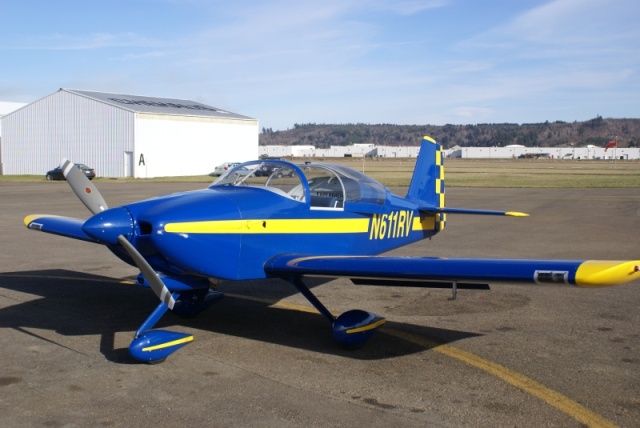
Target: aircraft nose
<point x="107" y="225"/>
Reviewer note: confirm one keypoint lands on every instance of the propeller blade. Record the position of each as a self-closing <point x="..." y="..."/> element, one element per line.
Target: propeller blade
<point x="150" y="275"/>
<point x="83" y="188"/>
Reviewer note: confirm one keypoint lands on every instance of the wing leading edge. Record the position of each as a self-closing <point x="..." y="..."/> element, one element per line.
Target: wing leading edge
<point x="584" y="273"/>
<point x="62" y="226"/>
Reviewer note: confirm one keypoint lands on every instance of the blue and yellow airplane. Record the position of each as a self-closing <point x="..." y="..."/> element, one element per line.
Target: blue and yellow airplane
<point x="265" y="219"/>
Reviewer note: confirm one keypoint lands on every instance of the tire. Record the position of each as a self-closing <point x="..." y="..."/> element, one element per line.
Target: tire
<point x="49" y="177"/>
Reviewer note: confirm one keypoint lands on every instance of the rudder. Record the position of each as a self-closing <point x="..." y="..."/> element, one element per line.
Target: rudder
<point x="427" y="184"/>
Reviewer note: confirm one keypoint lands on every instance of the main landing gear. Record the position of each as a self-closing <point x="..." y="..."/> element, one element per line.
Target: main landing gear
<point x="351" y="329"/>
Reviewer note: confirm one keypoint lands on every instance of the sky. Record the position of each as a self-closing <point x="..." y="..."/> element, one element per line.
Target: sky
<point x="286" y="62"/>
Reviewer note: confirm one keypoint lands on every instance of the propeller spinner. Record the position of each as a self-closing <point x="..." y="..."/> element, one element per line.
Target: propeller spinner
<point x="112" y="226"/>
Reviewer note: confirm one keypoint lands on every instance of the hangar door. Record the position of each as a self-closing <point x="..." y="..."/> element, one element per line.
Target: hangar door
<point x="128" y="164"/>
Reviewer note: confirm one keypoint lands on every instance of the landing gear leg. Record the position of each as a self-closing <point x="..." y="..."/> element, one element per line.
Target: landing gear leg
<point x="306" y="292"/>
<point x="352" y="328"/>
<point x="154" y="346"/>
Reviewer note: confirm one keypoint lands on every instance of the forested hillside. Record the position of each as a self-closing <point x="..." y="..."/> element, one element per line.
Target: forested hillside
<point x="597" y="131"/>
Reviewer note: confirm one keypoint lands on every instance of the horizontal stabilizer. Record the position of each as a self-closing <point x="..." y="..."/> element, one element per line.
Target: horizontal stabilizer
<point x="63" y="226"/>
<point x="470" y="211"/>
<point x="590" y="273"/>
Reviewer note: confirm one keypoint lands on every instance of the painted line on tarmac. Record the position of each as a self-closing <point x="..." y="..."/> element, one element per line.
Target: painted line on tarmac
<point x="70" y="278"/>
<point x="520" y="381"/>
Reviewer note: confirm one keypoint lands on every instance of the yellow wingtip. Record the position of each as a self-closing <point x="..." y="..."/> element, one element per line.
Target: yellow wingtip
<point x="605" y="273"/>
<point x="28" y="219"/>
<point x="516" y="214"/>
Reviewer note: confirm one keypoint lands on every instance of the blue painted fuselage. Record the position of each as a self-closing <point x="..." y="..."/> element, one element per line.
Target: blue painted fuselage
<point x="226" y="233"/>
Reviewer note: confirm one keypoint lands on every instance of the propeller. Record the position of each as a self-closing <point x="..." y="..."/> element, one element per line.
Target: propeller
<point x="83" y="188"/>
<point x="149" y="274"/>
<point x="97" y="225"/>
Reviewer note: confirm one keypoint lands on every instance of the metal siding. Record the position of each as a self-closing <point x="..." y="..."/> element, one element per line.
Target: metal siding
<point x="174" y="146"/>
<point x="161" y="106"/>
<point x="66" y="125"/>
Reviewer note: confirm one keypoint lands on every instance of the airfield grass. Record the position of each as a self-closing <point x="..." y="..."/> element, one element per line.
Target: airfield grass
<point x="520" y="173"/>
<point x="508" y="172"/>
<point x="541" y="173"/>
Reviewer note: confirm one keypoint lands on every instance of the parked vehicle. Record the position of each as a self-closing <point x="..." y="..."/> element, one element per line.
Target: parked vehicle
<point x="220" y="169"/>
<point x="56" y="173"/>
<point x="267" y="169"/>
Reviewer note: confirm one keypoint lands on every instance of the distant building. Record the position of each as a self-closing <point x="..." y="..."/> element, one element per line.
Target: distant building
<point x="124" y="135"/>
<point x="509" y="152"/>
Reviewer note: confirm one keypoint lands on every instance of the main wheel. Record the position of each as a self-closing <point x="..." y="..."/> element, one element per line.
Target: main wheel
<point x="353" y="328"/>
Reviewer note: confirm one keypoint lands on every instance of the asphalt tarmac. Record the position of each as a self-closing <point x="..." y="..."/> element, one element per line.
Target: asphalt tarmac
<point x="512" y="356"/>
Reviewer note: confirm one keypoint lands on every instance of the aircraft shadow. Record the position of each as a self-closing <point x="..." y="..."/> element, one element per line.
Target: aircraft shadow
<point x="78" y="304"/>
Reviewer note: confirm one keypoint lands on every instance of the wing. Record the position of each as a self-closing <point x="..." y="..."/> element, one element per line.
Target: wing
<point x="63" y="226"/>
<point x="585" y="273"/>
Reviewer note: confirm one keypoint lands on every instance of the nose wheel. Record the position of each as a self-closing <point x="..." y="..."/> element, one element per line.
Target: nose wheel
<point x="154" y="346"/>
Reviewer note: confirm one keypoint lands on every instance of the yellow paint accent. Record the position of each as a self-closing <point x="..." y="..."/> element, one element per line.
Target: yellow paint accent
<point x="426" y="137"/>
<point x="28" y="219"/>
<point x="520" y="381"/>
<point x="73" y="278"/>
<point x="604" y="273"/>
<point x="428" y="223"/>
<point x="280" y="304"/>
<point x="516" y="214"/>
<point x="168" y="344"/>
<point x="350" y="225"/>
<point x="367" y="327"/>
<point x="442" y="222"/>
<point x="396" y="224"/>
<point x="549" y="396"/>
<point x="440" y="191"/>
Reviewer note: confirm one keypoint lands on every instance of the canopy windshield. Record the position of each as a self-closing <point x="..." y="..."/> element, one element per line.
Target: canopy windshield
<point x="323" y="186"/>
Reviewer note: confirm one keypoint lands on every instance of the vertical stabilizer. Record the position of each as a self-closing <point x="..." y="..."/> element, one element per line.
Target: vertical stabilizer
<point x="427" y="183"/>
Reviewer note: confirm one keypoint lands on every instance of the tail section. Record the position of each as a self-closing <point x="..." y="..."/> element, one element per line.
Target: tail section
<point x="427" y="183"/>
<point x="427" y="186"/>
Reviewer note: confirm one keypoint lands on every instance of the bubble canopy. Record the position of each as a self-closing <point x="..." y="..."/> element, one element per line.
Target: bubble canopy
<point x="321" y="185"/>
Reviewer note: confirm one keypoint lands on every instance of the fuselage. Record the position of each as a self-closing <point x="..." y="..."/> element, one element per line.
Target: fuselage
<point x="232" y="228"/>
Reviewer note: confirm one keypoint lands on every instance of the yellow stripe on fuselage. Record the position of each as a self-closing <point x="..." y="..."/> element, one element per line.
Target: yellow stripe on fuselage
<point x="349" y="225"/>
<point x="290" y="226"/>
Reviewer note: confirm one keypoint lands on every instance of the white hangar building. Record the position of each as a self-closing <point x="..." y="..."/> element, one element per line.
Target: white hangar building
<point x="124" y="135"/>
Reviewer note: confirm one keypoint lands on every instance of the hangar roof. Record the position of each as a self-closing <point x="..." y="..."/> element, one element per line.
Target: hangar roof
<point x="170" y="106"/>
